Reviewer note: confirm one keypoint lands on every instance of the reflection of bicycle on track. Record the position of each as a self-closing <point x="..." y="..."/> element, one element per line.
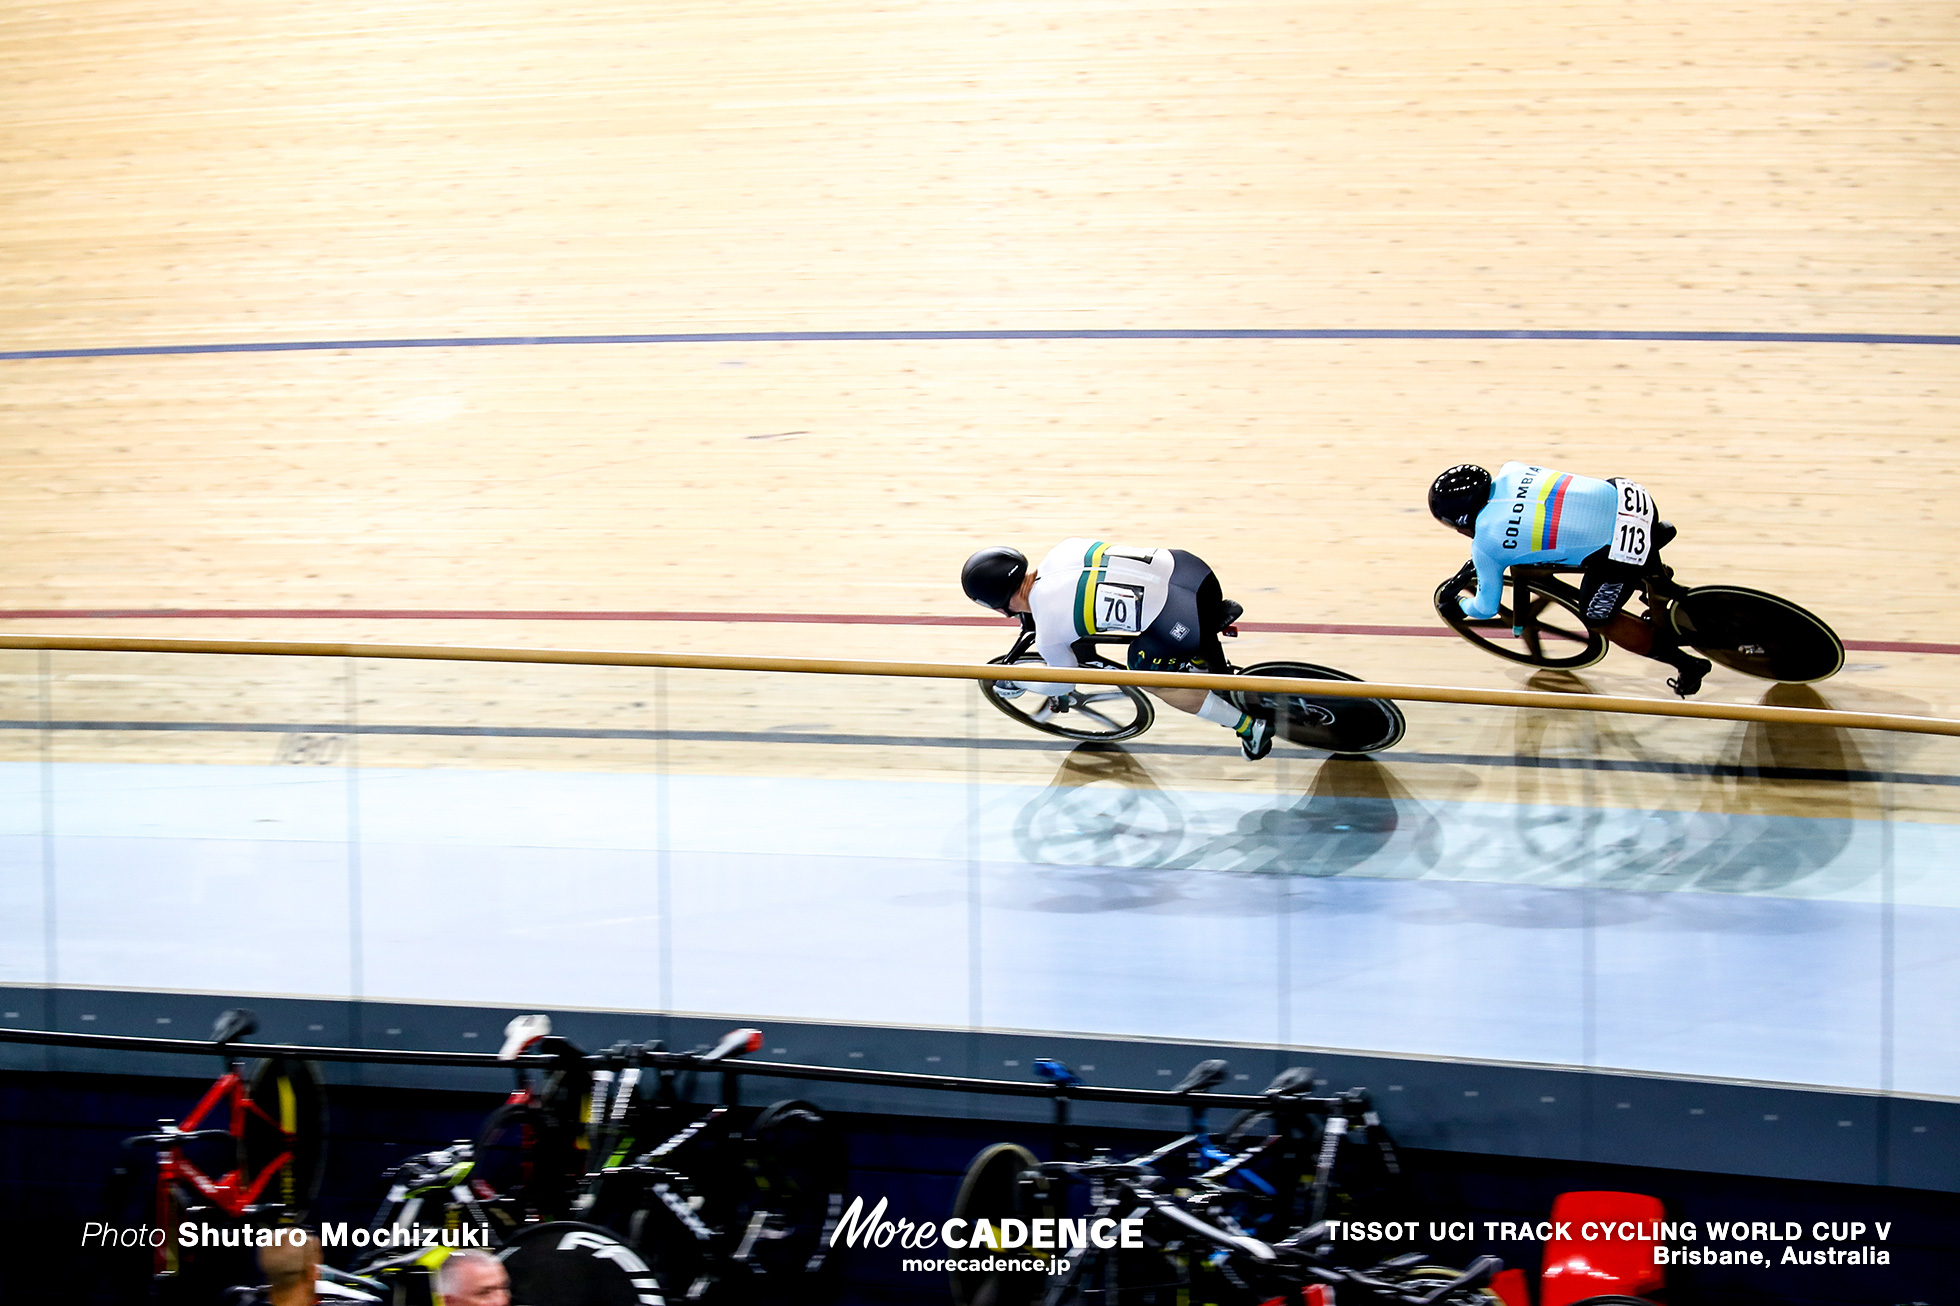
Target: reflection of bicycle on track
<point x="1111" y="713"/>
<point x="1102" y="809"/>
<point x="258" y="1163"/>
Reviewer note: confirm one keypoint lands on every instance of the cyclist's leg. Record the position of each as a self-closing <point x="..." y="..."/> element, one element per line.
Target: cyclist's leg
<point x="1176" y="640"/>
<point x="1604" y="592"/>
<point x="1184" y="637"/>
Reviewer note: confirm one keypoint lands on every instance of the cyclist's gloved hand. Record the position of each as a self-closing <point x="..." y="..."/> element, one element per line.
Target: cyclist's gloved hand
<point x="1047" y="689"/>
<point x="1466" y="576"/>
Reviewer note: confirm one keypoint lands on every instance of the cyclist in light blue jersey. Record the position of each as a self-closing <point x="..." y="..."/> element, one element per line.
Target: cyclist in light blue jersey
<point x="1535" y="516"/>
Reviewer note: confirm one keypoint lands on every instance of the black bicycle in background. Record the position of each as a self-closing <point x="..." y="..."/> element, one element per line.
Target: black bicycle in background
<point x="1109" y="714"/>
<point x="720" y="1204"/>
<point x="1293" y="1162"/>
<point x="726" y="1205"/>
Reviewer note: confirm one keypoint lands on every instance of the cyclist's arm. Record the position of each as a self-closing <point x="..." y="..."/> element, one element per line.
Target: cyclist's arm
<point x="1057" y="652"/>
<point x="1051" y="604"/>
<point x="1483" y="605"/>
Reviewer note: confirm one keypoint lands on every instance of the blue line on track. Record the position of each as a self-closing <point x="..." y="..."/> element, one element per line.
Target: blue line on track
<point x="802" y="337"/>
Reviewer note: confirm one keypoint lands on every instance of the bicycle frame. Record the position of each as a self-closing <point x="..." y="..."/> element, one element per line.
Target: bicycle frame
<point x="235" y="1191"/>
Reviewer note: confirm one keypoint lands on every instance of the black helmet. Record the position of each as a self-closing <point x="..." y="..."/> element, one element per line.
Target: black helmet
<point x="1458" y="495"/>
<point x="992" y="576"/>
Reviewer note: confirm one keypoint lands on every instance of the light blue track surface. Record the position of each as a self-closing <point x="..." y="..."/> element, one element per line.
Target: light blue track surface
<point x="1818" y="951"/>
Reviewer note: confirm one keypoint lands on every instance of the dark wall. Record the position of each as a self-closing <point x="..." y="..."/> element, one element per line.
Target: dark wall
<point x="60" y="1130"/>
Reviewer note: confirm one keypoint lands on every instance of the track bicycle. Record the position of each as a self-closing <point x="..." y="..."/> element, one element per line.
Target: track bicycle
<point x="1112" y="713"/>
<point x="1746" y="630"/>
<point x="523" y="1167"/>
<point x="1181" y="1229"/>
<point x="1293" y="1269"/>
<point x="721" y="1211"/>
<point x="1272" y="1169"/>
<point x="261" y="1165"/>
<point x="713" y="1204"/>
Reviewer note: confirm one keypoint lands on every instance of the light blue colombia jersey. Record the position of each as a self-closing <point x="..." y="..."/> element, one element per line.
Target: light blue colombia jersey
<point x="1536" y="515"/>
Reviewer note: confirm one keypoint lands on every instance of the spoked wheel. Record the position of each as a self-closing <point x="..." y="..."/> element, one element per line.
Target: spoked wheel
<point x="1758" y="634"/>
<point x="1339" y="725"/>
<point x="289" y="1091"/>
<point x="1095" y="713"/>
<point x="1549" y="633"/>
<point x="994" y="1189"/>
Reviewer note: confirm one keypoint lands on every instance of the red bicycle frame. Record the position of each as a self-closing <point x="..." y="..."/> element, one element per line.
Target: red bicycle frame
<point x="234" y="1191"/>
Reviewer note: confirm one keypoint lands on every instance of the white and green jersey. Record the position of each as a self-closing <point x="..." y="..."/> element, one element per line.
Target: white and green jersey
<point x="1089" y="589"/>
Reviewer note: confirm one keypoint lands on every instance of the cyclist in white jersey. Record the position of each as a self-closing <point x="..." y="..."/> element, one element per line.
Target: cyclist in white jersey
<point x="1166" y="604"/>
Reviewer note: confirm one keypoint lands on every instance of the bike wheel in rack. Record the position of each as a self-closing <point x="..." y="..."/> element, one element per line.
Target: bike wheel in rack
<point x="567" y="1263"/>
<point x="1287" y="1165"/>
<point x="1338" y="725"/>
<point x="1758" y="634"/>
<point x="797" y="1168"/>
<point x="289" y="1091"/>
<point x="523" y="1164"/>
<point x="1094" y="713"/>
<point x="994" y="1189"/>
<point x="1551" y="632"/>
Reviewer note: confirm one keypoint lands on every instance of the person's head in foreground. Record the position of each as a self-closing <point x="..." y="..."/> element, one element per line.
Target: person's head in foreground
<point x="472" y="1278"/>
<point x="291" y="1266"/>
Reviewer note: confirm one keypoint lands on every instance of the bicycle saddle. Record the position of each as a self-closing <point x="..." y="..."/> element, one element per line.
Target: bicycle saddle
<point x="1204" y="1075"/>
<point x="521" y="1033"/>
<point x="733" y="1044"/>
<point x="1056" y="1073"/>
<point x="1664" y="534"/>
<point x="233" y="1024"/>
<point x="1294" y="1081"/>
<point x="1229" y="613"/>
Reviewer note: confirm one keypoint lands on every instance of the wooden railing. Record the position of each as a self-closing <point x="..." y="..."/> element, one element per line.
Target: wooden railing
<point x="1021" y="672"/>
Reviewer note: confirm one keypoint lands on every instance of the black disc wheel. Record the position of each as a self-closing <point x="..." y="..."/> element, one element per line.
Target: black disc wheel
<point x="1094" y="713"/>
<point x="571" y="1264"/>
<point x="1758" y="634"/>
<point x="1001" y="1183"/>
<point x="797" y="1169"/>
<point x="289" y="1091"/>
<point x="1339" y="725"/>
<point x="1548" y="633"/>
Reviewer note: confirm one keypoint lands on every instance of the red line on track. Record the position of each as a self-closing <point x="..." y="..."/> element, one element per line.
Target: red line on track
<point x="802" y="618"/>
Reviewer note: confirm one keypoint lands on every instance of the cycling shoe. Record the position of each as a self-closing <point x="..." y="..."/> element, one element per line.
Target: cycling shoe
<point x="1688" y="683"/>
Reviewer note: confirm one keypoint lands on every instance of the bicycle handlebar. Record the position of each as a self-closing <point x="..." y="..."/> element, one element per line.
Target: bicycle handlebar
<point x="174" y="1137"/>
<point x="1184" y="1219"/>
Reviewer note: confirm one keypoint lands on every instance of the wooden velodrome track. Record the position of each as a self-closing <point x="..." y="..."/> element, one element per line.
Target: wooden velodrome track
<point x="569" y="195"/>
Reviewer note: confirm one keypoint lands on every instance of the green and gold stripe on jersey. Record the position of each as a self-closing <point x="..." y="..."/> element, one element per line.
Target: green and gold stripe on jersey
<point x="1095" y="564"/>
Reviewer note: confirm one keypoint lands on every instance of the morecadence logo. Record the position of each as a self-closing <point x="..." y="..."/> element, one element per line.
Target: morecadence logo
<point x="1039" y="1240"/>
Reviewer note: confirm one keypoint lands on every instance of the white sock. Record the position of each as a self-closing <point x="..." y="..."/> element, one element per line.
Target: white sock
<point x="1217" y="709"/>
